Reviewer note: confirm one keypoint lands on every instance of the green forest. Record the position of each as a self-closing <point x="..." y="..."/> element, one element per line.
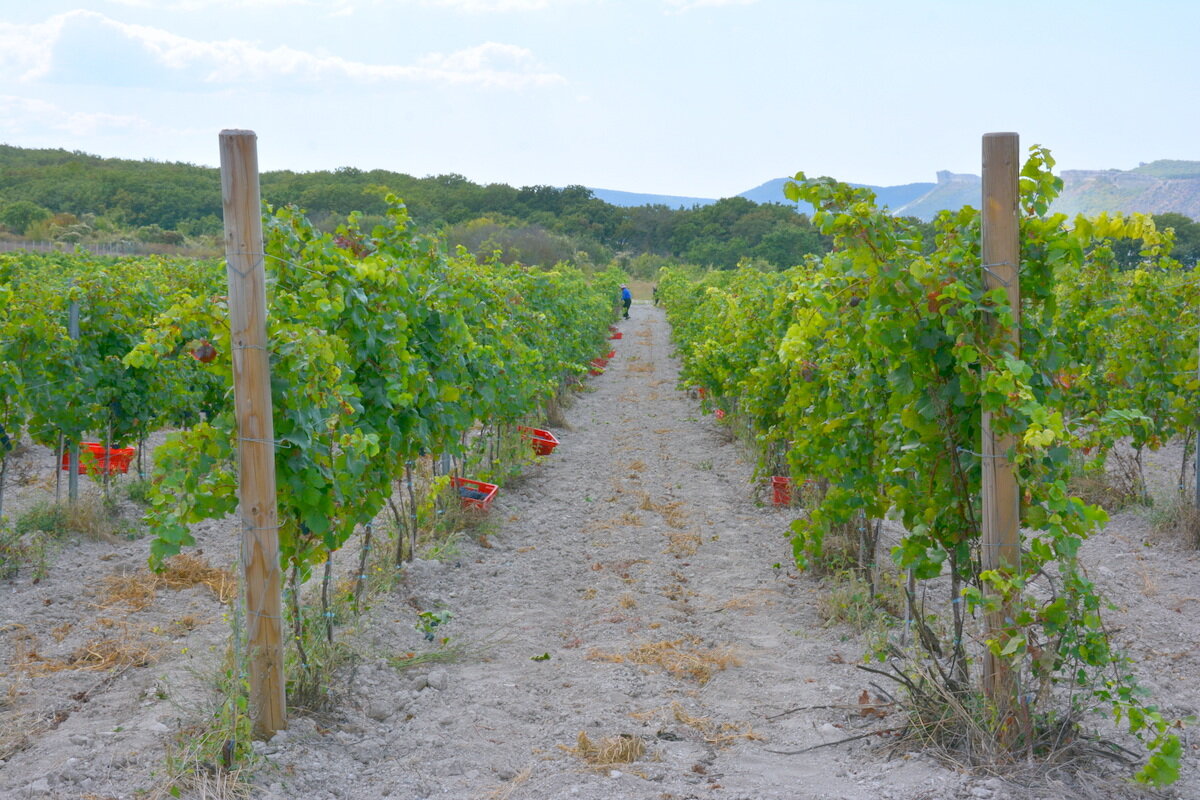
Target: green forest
<point x="79" y="198"/>
<point x="150" y="206"/>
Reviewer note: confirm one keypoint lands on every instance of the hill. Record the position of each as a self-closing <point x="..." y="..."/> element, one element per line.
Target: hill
<point x="892" y="197"/>
<point x="632" y="199"/>
<point x="77" y="198"/>
<point x="1156" y="188"/>
<point x="953" y="190"/>
<point x="1160" y="187"/>
<point x="769" y="192"/>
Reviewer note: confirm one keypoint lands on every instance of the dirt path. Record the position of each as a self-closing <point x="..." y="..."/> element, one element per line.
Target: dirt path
<point x="624" y="589"/>
<point x="637" y="558"/>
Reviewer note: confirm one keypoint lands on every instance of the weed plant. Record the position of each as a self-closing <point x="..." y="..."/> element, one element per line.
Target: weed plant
<point x="44" y="517"/>
<point x="211" y="757"/>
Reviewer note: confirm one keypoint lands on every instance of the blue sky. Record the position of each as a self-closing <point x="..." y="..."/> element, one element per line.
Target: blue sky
<point x="702" y="98"/>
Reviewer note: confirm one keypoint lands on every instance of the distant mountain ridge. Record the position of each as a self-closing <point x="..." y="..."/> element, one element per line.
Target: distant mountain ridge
<point x="629" y="199"/>
<point x="1157" y="187"/>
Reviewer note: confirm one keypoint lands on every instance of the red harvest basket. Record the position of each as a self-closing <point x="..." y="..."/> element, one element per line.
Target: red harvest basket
<point x="598" y="365"/>
<point x="474" y="494"/>
<point x="102" y="459"/>
<point x="781" y="491"/>
<point x="543" y="442"/>
<point x="616" y="335"/>
<point x="611" y="354"/>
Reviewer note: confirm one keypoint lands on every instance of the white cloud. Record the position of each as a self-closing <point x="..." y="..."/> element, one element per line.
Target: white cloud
<point x="201" y="5"/>
<point x="475" y="6"/>
<point x="23" y="114"/>
<point x="690" y="5"/>
<point x="30" y="52"/>
<point x="343" y="7"/>
<point x="26" y="51"/>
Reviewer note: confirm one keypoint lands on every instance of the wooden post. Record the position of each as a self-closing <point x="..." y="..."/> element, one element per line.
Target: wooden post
<point x="242" y="205"/>
<point x="73" y="458"/>
<point x="1001" y="503"/>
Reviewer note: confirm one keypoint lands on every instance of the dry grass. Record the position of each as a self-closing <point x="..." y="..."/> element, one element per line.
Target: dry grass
<point x="682" y="545"/>
<point x="627" y="519"/>
<point x="1178" y="518"/>
<point x="188" y="622"/>
<point x="17" y="726"/>
<point x="636" y="466"/>
<point x="627" y="601"/>
<point x="1094" y="488"/>
<point x="1119" y="483"/>
<point x="720" y="734"/>
<point x="17" y="729"/>
<point x="672" y="513"/>
<point x="89" y="516"/>
<point x="206" y="783"/>
<point x="505" y="792"/>
<point x="682" y="658"/>
<point x="962" y="730"/>
<point x="95" y="656"/>
<point x="623" y="748"/>
<point x="747" y="601"/>
<point x="644" y="367"/>
<point x="678" y="593"/>
<point x="137" y="590"/>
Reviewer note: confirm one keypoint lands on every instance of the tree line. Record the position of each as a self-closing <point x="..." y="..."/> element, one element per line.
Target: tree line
<point x="77" y="197"/>
<point x="74" y="197"/>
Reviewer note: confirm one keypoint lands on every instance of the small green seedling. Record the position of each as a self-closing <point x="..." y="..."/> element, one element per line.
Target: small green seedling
<point x="428" y="620"/>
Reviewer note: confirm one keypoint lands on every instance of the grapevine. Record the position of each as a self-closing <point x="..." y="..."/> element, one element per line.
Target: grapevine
<point x="870" y="368"/>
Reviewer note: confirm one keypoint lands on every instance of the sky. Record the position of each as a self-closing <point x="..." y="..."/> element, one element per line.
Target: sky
<point x="699" y="98"/>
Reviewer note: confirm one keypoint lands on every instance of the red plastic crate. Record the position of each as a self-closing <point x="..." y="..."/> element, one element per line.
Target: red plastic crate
<point x="110" y="460"/>
<point x="543" y="442"/>
<point x="611" y="354"/>
<point x="467" y="490"/>
<point x="720" y="413"/>
<point x="781" y="491"/>
<point x="598" y="365"/>
<point x="616" y="335"/>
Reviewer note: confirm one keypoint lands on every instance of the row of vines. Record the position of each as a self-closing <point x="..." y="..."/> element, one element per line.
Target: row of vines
<point x="863" y="375"/>
<point x="385" y="352"/>
<point x="57" y="389"/>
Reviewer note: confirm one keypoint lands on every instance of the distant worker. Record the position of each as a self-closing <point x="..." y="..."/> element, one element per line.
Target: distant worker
<point x="626" y="298"/>
<point x="654" y="293"/>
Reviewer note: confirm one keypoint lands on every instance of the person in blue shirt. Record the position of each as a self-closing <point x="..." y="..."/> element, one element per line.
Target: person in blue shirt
<point x="626" y="298"/>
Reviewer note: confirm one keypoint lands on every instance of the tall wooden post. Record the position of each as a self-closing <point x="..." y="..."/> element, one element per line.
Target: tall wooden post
<point x="73" y="458"/>
<point x="242" y="204"/>
<point x="1001" y="501"/>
